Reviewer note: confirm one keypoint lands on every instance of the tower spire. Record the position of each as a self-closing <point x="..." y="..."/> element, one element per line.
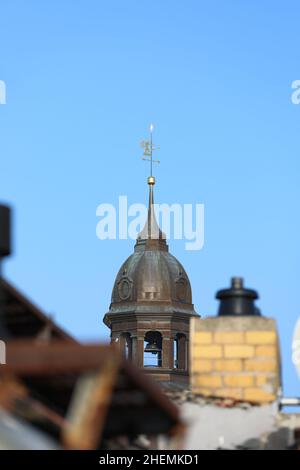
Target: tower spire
<point x="151" y="230"/>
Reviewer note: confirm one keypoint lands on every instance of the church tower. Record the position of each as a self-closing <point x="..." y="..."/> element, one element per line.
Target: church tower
<point x="151" y="305"/>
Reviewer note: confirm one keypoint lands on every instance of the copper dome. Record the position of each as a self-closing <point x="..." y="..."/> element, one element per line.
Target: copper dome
<point x="151" y="278"/>
<point x="152" y="275"/>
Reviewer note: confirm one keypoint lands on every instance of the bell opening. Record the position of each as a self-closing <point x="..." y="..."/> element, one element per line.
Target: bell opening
<point x="153" y="349"/>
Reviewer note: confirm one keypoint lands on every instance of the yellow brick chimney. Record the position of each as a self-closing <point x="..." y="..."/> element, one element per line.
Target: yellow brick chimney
<point x="235" y="356"/>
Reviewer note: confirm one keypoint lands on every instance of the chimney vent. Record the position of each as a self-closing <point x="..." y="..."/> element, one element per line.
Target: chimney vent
<point x="237" y="300"/>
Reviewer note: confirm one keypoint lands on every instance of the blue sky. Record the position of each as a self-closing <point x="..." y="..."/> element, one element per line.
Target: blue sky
<point x="84" y="80"/>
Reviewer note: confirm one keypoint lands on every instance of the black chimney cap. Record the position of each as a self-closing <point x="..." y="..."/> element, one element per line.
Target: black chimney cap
<point x="237" y="301"/>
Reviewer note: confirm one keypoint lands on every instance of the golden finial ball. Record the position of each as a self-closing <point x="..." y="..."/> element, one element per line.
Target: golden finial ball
<point x="151" y="180"/>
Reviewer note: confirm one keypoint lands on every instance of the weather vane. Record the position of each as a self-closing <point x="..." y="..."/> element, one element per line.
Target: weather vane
<point x="148" y="147"/>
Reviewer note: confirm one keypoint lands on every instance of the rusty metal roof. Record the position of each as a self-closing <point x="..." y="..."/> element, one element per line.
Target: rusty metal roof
<point x="22" y="319"/>
<point x="129" y="403"/>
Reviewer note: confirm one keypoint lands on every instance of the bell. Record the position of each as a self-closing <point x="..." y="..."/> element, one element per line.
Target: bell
<point x="152" y="347"/>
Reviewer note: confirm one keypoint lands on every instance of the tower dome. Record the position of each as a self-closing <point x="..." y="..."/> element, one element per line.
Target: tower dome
<point x="151" y="278"/>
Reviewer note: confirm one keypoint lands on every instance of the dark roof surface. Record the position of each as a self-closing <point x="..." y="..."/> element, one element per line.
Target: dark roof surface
<point x="22" y="319"/>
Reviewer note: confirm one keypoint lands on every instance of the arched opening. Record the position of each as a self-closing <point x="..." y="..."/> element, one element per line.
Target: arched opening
<point x="180" y="352"/>
<point x="153" y="349"/>
<point x="126" y="345"/>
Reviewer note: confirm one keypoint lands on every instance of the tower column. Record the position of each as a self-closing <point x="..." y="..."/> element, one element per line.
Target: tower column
<point x="182" y="352"/>
<point x="138" y="350"/>
<point x="167" y="352"/>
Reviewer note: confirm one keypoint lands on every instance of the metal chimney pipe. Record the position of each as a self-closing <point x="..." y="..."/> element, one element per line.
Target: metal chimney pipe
<point x="290" y="401"/>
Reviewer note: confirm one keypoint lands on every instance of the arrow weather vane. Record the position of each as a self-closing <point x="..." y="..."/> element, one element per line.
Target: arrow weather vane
<point x="148" y="147"/>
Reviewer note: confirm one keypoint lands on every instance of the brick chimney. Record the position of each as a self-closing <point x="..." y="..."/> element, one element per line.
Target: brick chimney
<point x="236" y="354"/>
